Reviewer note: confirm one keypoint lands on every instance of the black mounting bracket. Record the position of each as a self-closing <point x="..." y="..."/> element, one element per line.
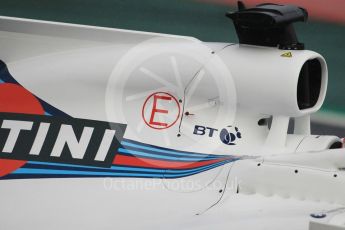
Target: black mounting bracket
<point x="268" y="25"/>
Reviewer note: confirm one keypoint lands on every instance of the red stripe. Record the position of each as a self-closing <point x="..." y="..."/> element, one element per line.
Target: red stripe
<point x="330" y="10"/>
<point x="151" y="163"/>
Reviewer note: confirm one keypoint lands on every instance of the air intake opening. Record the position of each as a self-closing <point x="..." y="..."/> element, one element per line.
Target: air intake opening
<point x="336" y="145"/>
<point x="309" y="84"/>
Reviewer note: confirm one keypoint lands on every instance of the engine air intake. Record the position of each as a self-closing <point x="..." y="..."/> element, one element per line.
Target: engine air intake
<point x="309" y="84"/>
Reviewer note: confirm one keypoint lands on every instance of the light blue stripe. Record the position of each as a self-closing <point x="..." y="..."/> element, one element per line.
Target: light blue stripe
<point x="167" y="151"/>
<point x="1" y="81"/>
<point x="143" y="154"/>
<point x="47" y="114"/>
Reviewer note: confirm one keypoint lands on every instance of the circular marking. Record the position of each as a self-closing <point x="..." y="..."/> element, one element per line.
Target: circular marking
<point x="158" y="105"/>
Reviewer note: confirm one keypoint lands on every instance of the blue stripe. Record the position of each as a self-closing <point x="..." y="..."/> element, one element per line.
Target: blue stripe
<point x="155" y="156"/>
<point x="1" y="81"/>
<point x="164" y="150"/>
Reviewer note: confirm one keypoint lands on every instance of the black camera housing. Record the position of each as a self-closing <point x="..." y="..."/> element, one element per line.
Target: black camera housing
<point x="268" y="25"/>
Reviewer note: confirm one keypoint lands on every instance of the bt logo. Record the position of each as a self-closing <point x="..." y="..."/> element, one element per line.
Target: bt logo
<point x="227" y="135"/>
<point x="229" y="138"/>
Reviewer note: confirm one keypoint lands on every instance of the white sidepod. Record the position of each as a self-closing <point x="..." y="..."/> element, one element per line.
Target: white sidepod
<point x="108" y="74"/>
<point x="277" y="82"/>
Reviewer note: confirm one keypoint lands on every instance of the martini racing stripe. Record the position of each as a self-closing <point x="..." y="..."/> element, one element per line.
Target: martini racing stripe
<point x="130" y="144"/>
<point x="162" y="157"/>
<point x="115" y="169"/>
<point x="148" y="168"/>
<point x="30" y="173"/>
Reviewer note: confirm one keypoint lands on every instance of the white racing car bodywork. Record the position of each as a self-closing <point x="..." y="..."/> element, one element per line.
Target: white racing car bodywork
<point x="134" y="130"/>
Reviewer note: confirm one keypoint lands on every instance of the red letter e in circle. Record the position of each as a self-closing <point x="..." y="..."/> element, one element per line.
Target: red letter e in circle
<point x="161" y="110"/>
